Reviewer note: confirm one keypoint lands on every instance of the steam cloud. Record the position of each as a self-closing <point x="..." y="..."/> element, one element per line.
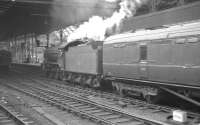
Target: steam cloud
<point x="70" y="12"/>
<point x="97" y="28"/>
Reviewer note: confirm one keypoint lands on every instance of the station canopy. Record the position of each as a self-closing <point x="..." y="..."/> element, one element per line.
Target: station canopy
<point x="19" y="17"/>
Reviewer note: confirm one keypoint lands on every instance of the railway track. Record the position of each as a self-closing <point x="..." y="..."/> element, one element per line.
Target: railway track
<point x="79" y="92"/>
<point x="85" y="108"/>
<point x="9" y="116"/>
<point x="112" y="98"/>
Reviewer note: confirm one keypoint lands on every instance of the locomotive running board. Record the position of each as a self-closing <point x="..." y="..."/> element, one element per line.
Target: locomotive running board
<point x="182" y="96"/>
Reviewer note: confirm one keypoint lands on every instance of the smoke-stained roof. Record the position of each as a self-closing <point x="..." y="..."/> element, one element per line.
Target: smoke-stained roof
<point x="40" y="16"/>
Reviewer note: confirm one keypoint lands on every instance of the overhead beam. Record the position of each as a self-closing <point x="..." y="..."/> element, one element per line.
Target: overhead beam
<point x="65" y="3"/>
<point x="29" y="1"/>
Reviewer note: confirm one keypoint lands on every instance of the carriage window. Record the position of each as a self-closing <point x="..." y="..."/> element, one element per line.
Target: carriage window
<point x="143" y="52"/>
<point x="193" y="39"/>
<point x="180" y="40"/>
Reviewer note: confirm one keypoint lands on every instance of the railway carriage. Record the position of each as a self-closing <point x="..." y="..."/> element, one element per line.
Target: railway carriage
<point x="167" y="58"/>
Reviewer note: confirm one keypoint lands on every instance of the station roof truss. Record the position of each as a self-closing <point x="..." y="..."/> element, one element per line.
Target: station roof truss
<point x="18" y="17"/>
<point x="40" y="16"/>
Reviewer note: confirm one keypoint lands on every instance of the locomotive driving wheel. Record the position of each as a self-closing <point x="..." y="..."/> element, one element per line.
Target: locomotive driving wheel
<point x="95" y="83"/>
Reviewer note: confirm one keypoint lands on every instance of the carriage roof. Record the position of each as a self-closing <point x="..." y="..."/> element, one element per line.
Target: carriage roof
<point x="180" y="30"/>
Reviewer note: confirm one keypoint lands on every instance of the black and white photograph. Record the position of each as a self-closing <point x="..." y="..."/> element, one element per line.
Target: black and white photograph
<point x="99" y="62"/>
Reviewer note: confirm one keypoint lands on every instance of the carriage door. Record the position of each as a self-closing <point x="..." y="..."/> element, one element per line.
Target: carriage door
<point x="143" y="71"/>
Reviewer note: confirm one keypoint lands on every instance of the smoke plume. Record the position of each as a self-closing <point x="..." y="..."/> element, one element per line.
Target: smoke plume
<point x="98" y="28"/>
<point x="69" y="12"/>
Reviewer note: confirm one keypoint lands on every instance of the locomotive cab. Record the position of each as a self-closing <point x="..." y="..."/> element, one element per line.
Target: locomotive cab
<point x="53" y="61"/>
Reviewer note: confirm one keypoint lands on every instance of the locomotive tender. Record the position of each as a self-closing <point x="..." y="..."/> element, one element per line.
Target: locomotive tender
<point x="80" y="64"/>
<point x="142" y="62"/>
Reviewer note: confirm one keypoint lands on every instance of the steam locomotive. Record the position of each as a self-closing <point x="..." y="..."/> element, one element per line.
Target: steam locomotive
<point x="5" y="60"/>
<point x="142" y="63"/>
